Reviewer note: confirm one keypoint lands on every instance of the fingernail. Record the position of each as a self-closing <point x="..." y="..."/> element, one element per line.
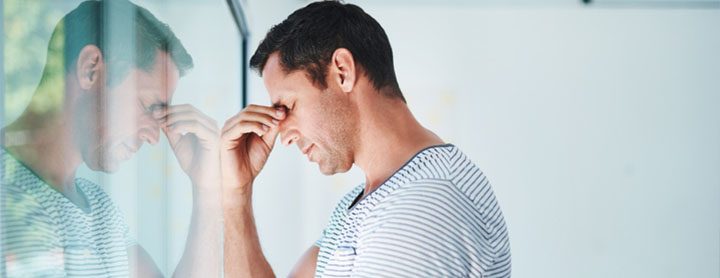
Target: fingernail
<point x="276" y="122"/>
<point x="280" y="113"/>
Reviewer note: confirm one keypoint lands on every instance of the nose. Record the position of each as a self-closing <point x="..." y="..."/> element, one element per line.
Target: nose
<point x="151" y="135"/>
<point x="288" y="131"/>
<point x="289" y="137"/>
<point x="149" y="130"/>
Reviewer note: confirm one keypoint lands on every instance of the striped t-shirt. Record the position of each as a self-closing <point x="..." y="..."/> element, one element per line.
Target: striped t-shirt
<point x="43" y="234"/>
<point x="437" y="216"/>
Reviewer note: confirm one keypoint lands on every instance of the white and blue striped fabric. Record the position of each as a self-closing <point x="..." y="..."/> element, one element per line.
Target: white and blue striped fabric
<point x="437" y="216"/>
<point x="46" y="235"/>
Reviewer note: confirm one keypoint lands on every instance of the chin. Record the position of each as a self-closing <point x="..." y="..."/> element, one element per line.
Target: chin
<point x="100" y="163"/>
<point x="329" y="171"/>
<point x="110" y="168"/>
<point x="105" y="167"/>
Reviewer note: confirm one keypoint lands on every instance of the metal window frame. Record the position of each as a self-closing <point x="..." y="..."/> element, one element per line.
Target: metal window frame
<point x="655" y="4"/>
<point x="238" y="12"/>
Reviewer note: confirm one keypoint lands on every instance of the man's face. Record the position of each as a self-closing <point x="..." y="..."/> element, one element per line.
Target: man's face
<point x="118" y="120"/>
<point x="322" y="123"/>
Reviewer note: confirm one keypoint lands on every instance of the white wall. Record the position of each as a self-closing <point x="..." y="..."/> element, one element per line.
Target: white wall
<point x="597" y="126"/>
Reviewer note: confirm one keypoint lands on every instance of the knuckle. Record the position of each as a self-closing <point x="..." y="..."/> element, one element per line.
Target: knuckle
<point x="225" y="136"/>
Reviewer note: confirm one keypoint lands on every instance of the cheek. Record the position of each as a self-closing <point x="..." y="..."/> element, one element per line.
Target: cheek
<point x="319" y="124"/>
<point x="123" y="114"/>
<point x="338" y="127"/>
<point x="88" y="122"/>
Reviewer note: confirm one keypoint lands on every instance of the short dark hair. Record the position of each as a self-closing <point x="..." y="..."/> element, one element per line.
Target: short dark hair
<point x="88" y="25"/>
<point x="307" y="39"/>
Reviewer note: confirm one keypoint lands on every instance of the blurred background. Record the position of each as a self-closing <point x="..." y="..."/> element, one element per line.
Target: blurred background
<point x="597" y="124"/>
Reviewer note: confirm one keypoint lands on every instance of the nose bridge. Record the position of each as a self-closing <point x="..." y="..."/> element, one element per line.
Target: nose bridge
<point x="288" y="131"/>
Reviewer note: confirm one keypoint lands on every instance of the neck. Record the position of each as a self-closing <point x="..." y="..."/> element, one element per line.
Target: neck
<point x="41" y="138"/>
<point x="389" y="137"/>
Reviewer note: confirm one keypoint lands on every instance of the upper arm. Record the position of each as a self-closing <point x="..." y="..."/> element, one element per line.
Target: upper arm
<point x="141" y="264"/>
<point x="305" y="267"/>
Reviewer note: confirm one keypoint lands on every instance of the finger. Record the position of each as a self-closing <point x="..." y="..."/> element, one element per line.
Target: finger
<point x="173" y="137"/>
<point x="183" y="112"/>
<point x="274" y="113"/>
<point x="253" y="117"/>
<point x="231" y="121"/>
<point x="195" y="127"/>
<point x="241" y="128"/>
<point x="177" y="110"/>
<point x="277" y="113"/>
<point x="250" y="116"/>
<point x="271" y="136"/>
<point x="204" y="134"/>
<point x="175" y="117"/>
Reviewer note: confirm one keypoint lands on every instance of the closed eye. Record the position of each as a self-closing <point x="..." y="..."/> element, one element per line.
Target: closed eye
<point x="279" y="106"/>
<point x="157" y="106"/>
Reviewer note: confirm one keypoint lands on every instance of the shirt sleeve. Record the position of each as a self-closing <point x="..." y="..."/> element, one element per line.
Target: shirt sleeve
<point x="321" y="238"/>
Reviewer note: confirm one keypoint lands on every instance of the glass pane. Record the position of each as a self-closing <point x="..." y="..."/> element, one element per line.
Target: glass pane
<point x="110" y="131"/>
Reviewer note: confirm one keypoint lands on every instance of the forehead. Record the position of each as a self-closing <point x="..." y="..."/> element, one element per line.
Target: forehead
<point x="161" y="80"/>
<point x="281" y="85"/>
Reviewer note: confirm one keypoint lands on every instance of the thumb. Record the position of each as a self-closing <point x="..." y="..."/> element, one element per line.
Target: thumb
<point x="173" y="137"/>
<point x="270" y="137"/>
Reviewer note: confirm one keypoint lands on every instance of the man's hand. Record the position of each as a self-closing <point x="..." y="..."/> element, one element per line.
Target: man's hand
<point x="247" y="140"/>
<point x="194" y="138"/>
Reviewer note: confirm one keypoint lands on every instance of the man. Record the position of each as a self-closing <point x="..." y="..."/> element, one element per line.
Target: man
<point x="100" y="98"/>
<point x="425" y="210"/>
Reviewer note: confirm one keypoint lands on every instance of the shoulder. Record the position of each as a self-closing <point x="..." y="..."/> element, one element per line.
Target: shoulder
<point x="428" y="205"/>
<point x="30" y="233"/>
<point x="432" y="227"/>
<point x="421" y="230"/>
<point x="24" y="207"/>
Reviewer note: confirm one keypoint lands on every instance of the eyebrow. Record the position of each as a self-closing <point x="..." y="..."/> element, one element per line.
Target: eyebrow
<point x="278" y="103"/>
<point x="158" y="105"/>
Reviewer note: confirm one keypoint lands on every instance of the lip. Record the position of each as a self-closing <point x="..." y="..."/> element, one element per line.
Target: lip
<point x="126" y="151"/>
<point x="306" y="150"/>
<point x="131" y="149"/>
<point x="123" y="155"/>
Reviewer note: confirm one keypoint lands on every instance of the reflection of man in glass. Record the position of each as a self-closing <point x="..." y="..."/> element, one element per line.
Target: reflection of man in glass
<point x="98" y="106"/>
<point x="425" y="209"/>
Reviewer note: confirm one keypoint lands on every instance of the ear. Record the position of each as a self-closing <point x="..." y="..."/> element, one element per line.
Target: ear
<point x="90" y="67"/>
<point x="342" y="69"/>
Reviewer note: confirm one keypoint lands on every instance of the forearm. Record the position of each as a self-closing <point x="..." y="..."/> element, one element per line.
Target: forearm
<point x="203" y="248"/>
<point x="243" y="254"/>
